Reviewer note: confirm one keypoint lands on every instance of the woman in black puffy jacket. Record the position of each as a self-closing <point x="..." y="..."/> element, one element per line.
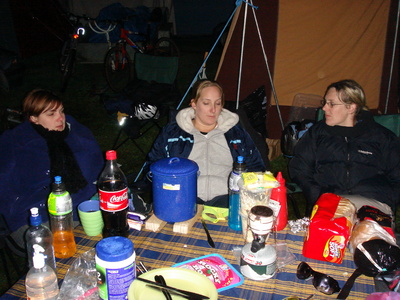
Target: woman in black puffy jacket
<point x="348" y="153"/>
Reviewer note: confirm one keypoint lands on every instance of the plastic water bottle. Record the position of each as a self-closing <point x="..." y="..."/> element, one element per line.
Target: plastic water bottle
<point x="39" y="234"/>
<point x="41" y="281"/>
<point x="61" y="220"/>
<point x="234" y="218"/>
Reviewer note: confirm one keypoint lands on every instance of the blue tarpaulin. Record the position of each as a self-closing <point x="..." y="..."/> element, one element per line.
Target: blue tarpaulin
<point x="136" y="20"/>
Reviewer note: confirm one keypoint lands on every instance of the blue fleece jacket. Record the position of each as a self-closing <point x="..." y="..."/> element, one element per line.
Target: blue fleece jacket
<point x="25" y="170"/>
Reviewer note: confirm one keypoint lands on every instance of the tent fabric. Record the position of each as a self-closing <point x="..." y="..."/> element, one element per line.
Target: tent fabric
<point x="254" y="73"/>
<point x="310" y="44"/>
<point x="329" y="41"/>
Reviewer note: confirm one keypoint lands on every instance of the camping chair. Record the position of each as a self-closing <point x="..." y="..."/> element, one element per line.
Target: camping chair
<point x="304" y="107"/>
<point x="391" y="122"/>
<point x="148" y="97"/>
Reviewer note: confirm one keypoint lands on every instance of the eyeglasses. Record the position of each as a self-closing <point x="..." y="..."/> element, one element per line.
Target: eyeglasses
<point x="322" y="282"/>
<point x="330" y="104"/>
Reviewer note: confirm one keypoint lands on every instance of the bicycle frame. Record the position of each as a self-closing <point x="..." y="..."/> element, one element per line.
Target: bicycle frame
<point x="124" y="37"/>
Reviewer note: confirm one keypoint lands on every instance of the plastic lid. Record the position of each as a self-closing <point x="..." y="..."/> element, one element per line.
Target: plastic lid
<point x="111" y="155"/>
<point x="58" y="185"/>
<point x="174" y="166"/>
<point x="114" y="248"/>
<point x="280" y="178"/>
<point x="57" y="179"/>
<point x="239" y="164"/>
<point x="35" y="218"/>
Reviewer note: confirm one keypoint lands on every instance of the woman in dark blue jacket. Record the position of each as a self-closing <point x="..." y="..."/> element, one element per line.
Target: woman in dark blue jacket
<point x="348" y="153"/>
<point x="47" y="144"/>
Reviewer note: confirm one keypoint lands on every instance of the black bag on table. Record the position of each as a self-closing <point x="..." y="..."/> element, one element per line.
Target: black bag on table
<point x="373" y="258"/>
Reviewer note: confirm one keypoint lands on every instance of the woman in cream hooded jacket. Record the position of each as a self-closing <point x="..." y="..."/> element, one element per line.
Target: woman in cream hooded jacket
<point x="214" y="150"/>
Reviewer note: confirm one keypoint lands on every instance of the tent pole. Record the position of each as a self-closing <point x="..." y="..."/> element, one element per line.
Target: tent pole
<point x="238" y="2"/>
<point x="241" y="58"/>
<point x="268" y="69"/>
<point x="393" y="57"/>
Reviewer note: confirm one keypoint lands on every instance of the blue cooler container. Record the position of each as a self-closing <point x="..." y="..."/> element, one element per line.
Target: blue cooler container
<point x="174" y="189"/>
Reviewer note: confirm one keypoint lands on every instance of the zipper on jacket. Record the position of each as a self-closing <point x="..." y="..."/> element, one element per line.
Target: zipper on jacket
<point x="347" y="165"/>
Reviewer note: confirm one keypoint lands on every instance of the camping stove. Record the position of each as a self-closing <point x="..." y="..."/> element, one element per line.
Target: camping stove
<point x="258" y="259"/>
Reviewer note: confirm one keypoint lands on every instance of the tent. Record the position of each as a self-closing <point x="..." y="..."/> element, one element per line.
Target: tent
<point x="308" y="45"/>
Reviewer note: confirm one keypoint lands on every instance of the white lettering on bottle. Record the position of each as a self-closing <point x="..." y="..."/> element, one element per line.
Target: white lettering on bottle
<point x="116" y="199"/>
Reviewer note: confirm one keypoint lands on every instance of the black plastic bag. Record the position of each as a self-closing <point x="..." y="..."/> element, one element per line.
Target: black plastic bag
<point x="292" y="133"/>
<point x="255" y="107"/>
<point x="372" y="258"/>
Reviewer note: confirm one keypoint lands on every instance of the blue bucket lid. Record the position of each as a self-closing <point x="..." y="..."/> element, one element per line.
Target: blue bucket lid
<point x="114" y="248"/>
<point x="174" y="166"/>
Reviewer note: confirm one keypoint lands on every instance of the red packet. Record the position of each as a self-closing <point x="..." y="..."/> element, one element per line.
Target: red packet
<point x="216" y="268"/>
<point x="328" y="235"/>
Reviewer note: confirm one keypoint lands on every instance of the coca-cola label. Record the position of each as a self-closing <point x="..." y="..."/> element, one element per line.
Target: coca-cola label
<point x="113" y="200"/>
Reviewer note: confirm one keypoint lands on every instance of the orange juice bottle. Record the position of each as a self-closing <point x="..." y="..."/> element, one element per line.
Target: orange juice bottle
<point x="61" y="220"/>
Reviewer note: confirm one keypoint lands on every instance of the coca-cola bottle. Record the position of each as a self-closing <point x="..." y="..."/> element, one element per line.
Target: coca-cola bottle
<point x="113" y="194"/>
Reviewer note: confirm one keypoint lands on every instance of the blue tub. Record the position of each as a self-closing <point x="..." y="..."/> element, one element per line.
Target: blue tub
<point x="174" y="189"/>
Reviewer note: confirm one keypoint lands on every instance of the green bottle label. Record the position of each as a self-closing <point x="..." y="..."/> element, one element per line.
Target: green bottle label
<point x="60" y="204"/>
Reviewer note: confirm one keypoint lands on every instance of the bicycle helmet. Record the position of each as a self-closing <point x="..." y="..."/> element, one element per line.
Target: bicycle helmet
<point x="144" y="111"/>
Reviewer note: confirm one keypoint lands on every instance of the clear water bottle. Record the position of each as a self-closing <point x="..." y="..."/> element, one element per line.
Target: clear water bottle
<point x="61" y="220"/>
<point x="39" y="234"/>
<point x="234" y="218"/>
<point x="41" y="281"/>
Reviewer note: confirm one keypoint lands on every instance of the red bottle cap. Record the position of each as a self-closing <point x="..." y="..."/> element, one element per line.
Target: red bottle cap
<point x="111" y="155"/>
<point x="280" y="179"/>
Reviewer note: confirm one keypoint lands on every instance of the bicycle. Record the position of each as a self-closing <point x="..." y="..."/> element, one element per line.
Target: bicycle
<point x="68" y="51"/>
<point x="119" y="67"/>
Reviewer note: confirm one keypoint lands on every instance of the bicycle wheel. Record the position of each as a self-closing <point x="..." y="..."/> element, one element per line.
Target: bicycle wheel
<point x="117" y="67"/>
<point x="165" y="47"/>
<point x="67" y="63"/>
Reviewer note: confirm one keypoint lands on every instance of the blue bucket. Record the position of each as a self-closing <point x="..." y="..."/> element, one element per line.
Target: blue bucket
<point x="174" y="189"/>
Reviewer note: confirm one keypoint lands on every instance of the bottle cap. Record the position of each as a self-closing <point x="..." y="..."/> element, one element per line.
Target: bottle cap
<point x="57" y="179"/>
<point x="111" y="155"/>
<point x="240" y="159"/>
<point x="35" y="218"/>
<point x="280" y="178"/>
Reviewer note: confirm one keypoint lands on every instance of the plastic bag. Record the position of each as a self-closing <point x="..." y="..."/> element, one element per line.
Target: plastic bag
<point x="368" y="230"/>
<point x="80" y="282"/>
<point x="375" y="254"/>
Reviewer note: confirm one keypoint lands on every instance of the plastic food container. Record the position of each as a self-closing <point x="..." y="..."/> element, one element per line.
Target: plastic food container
<point x="174" y="189"/>
<point x="116" y="267"/>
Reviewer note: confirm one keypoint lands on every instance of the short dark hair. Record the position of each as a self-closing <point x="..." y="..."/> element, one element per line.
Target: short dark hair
<point x="37" y="100"/>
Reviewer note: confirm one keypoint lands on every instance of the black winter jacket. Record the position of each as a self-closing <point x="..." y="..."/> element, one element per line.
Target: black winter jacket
<point x="361" y="160"/>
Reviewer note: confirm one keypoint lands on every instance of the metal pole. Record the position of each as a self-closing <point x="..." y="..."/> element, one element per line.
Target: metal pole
<point x="393" y="57"/>
<point x="268" y="69"/>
